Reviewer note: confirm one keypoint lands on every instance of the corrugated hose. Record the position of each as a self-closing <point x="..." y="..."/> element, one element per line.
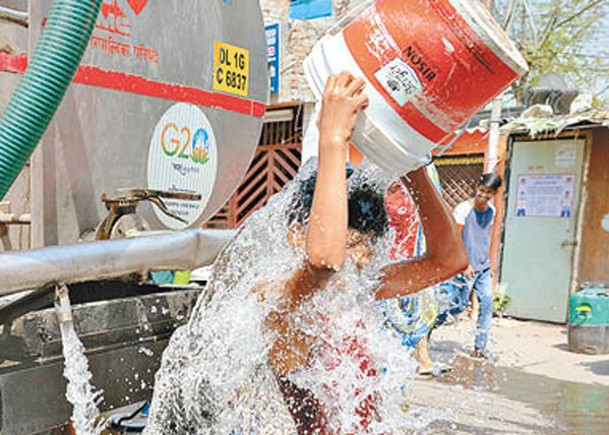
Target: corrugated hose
<point x="49" y="73"/>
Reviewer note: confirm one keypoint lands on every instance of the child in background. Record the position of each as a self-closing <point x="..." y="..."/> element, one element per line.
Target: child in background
<point x="474" y="218"/>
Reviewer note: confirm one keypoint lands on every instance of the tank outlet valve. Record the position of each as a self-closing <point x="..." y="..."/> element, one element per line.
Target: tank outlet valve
<point x="63" y="307"/>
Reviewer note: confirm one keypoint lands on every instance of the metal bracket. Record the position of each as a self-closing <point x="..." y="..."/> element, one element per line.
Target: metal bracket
<point x="14" y="16"/>
<point x="7" y="218"/>
<point x="125" y="202"/>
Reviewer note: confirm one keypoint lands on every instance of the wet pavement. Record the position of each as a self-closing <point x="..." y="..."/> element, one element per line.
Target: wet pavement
<point x="565" y="407"/>
<point x="531" y="385"/>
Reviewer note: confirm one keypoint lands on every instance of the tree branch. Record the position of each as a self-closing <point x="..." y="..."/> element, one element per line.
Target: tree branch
<point x="582" y="11"/>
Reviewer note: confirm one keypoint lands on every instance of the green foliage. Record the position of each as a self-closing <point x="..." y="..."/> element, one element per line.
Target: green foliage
<point x="567" y="42"/>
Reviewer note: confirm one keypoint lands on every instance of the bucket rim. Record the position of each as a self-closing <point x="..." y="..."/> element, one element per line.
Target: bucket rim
<point x="384" y="151"/>
<point x="485" y="25"/>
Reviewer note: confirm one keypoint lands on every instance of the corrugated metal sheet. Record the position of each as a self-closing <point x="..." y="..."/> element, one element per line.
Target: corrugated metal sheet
<point x="556" y="124"/>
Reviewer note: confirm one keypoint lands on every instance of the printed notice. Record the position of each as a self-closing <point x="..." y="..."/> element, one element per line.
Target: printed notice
<point x="399" y="80"/>
<point x="272" y="50"/>
<point x="547" y="195"/>
<point x="231" y="68"/>
<point x="566" y="156"/>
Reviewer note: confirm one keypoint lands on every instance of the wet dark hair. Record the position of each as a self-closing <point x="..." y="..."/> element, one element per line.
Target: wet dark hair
<point x="490" y="180"/>
<point x="367" y="212"/>
<point x="366" y="205"/>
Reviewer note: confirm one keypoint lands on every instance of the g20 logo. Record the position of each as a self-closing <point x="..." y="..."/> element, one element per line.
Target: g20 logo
<point x="181" y="143"/>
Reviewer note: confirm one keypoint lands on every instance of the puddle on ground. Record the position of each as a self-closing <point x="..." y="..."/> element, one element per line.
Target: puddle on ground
<point x="551" y="406"/>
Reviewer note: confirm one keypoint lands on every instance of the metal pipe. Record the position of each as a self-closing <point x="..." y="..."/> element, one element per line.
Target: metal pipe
<point x="25" y="270"/>
<point x="15" y="16"/>
<point x="15" y="219"/>
<point x="492" y="154"/>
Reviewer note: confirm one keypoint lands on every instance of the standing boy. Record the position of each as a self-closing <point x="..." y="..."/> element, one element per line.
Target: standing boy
<point x="475" y="220"/>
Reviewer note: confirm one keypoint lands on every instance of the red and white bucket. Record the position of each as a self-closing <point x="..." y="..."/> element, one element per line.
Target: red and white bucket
<point x="429" y="66"/>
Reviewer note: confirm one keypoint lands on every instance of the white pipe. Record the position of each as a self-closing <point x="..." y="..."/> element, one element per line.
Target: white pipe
<point x="13" y="218"/>
<point x="187" y="250"/>
<point x="14" y="15"/>
<point x="492" y="154"/>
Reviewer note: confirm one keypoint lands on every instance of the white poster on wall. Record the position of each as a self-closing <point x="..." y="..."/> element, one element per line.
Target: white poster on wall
<point x="566" y="156"/>
<point x="545" y="195"/>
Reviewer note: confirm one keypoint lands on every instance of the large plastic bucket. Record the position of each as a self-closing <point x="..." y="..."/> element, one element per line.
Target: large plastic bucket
<point x="429" y="66"/>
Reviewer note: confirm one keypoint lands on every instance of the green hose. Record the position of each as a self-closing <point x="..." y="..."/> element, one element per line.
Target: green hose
<point x="50" y="71"/>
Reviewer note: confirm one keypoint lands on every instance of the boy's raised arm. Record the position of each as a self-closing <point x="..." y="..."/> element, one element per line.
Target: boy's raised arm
<point x="445" y="255"/>
<point x="327" y="229"/>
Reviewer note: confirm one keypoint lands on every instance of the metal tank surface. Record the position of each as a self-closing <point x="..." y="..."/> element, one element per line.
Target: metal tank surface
<point x="170" y="96"/>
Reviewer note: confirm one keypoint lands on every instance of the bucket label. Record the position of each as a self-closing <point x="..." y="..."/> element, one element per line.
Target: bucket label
<point x="183" y="157"/>
<point x="399" y="80"/>
<point x="231" y="68"/>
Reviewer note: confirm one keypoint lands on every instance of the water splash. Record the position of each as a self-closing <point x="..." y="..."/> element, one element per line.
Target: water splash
<point x="215" y="376"/>
<point x="80" y="393"/>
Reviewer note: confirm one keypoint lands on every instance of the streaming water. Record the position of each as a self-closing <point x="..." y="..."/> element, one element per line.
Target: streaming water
<point x="215" y="376"/>
<point x="80" y="393"/>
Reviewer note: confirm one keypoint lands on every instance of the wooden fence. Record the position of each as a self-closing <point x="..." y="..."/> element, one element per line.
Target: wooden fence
<point x="276" y="162"/>
<point x="459" y="176"/>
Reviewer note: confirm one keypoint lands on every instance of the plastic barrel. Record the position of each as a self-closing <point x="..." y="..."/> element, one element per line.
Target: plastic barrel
<point x="429" y="66"/>
<point x="589" y="321"/>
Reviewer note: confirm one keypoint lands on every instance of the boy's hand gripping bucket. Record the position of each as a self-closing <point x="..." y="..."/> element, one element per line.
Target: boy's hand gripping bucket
<point x="429" y="66"/>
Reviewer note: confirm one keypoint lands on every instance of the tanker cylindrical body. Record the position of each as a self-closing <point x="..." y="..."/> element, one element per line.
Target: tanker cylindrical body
<point x="169" y="96"/>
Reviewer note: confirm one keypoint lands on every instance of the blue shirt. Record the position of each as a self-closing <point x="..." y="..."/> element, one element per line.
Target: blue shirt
<point x="476" y="235"/>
